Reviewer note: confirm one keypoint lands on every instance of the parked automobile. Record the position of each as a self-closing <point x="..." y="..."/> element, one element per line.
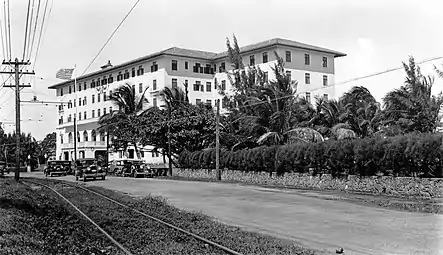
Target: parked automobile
<point x="142" y="170"/>
<point x="3" y="168"/>
<point x="87" y="168"/>
<point x="57" y="167"/>
<point x="115" y="167"/>
<point x="130" y="166"/>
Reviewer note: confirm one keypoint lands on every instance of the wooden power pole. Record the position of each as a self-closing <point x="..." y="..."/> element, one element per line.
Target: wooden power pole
<point x="217" y="141"/>
<point x="16" y="65"/>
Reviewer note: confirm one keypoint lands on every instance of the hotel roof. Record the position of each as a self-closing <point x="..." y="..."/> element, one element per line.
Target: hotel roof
<point x="210" y="56"/>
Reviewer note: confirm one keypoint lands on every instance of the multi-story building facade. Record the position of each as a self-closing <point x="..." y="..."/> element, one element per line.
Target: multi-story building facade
<point x="87" y="99"/>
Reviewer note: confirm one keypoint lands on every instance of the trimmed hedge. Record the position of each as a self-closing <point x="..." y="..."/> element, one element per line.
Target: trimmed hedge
<point x="407" y="155"/>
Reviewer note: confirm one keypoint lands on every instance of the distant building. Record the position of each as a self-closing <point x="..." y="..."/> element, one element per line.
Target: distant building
<point x="311" y="66"/>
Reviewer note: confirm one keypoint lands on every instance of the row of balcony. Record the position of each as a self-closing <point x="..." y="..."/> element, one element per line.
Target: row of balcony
<point x="81" y="145"/>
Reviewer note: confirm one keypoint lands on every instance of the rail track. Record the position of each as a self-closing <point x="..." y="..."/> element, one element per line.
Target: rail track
<point x="127" y="207"/>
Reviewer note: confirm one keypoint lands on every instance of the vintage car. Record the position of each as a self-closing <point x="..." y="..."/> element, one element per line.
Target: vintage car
<point x="115" y="167"/>
<point x="135" y="168"/>
<point x="57" y="167"/>
<point x="87" y="168"/>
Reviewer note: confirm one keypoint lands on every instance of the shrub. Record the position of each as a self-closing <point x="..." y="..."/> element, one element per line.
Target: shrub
<point x="404" y="155"/>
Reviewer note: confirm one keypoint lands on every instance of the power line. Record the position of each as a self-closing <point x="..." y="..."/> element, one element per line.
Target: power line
<point x="41" y="31"/>
<point x="3" y="47"/>
<point x="107" y="41"/>
<point x="9" y="33"/>
<point x="29" y="48"/>
<point x="6" y="30"/>
<point x="35" y="28"/>
<point x="26" y="30"/>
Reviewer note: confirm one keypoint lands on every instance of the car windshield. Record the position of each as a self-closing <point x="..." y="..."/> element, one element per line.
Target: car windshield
<point x="86" y="162"/>
<point x="64" y="163"/>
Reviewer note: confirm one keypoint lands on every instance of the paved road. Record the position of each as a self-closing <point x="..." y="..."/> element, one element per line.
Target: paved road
<point x="310" y="221"/>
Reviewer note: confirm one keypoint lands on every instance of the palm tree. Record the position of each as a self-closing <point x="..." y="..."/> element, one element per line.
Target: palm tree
<point x="412" y="107"/>
<point x="120" y="123"/>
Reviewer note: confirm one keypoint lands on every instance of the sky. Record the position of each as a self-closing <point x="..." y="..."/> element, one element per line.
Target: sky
<point x="376" y="35"/>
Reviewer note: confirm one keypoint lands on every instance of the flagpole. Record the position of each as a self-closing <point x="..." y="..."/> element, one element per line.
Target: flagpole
<point x="76" y="114"/>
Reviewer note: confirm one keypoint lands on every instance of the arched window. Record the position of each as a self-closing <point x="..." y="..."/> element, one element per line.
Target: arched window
<point x="85" y="136"/>
<point x="70" y="140"/>
<point x="93" y="136"/>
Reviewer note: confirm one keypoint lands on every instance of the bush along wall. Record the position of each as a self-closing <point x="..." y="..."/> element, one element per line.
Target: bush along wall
<point x="413" y="155"/>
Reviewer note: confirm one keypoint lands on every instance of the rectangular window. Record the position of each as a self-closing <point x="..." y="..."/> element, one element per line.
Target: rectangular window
<point x="197" y="86"/>
<point x="307" y="78"/>
<point x="98" y="98"/>
<point x="307" y="59"/>
<point x="110" y="109"/>
<point x="104" y="111"/>
<point x="140" y="87"/>
<point x="133" y="72"/>
<point x="222" y="67"/>
<point x="198" y="101"/>
<point x="325" y="62"/>
<point x="174" y="65"/>
<point x="69" y="90"/>
<point x="98" y="112"/>
<point x="265" y="57"/>
<point x="104" y="96"/>
<point x="289" y="75"/>
<point x="265" y="76"/>
<point x="288" y="56"/>
<point x="84" y="86"/>
<point x="110" y="79"/>
<point x="325" y="96"/>
<point x="154" y="85"/>
<point x="119" y="76"/>
<point x="75" y="102"/>
<point x="223" y="86"/>
<point x="93" y="113"/>
<point x="79" y="102"/>
<point x="186" y="65"/>
<point x="84" y="115"/>
<point x="84" y="101"/>
<point x="154" y="102"/>
<point x="325" y="80"/>
<point x="208" y="86"/>
<point x="140" y="70"/>
<point x="252" y="60"/>
<point x="93" y="98"/>
<point x="208" y="102"/>
<point x="61" y="92"/>
<point x="308" y="96"/>
<point x="126" y="75"/>
<point x="174" y="83"/>
<point x="79" y="116"/>
<point x="79" y="87"/>
<point x="202" y="87"/>
<point x="154" y="67"/>
<point x="133" y="87"/>
<point x="224" y="102"/>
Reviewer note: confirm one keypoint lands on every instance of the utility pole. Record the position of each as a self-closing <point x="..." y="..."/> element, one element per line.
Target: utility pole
<point x="169" y="140"/>
<point x="17" y="87"/>
<point x="217" y="141"/>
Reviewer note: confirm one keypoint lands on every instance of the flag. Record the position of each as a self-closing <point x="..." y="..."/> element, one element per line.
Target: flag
<point x="64" y="74"/>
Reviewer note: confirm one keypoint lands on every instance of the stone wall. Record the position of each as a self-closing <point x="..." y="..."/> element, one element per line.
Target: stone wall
<point x="386" y="185"/>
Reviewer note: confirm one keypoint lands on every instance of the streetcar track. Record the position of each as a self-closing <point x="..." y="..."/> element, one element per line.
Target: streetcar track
<point x="153" y="218"/>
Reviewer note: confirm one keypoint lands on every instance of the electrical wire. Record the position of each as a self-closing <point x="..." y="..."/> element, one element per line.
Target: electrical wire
<point x="6" y="30"/>
<point x="35" y="30"/>
<point x="41" y="31"/>
<point x="3" y="47"/>
<point x="30" y="32"/>
<point x="26" y="30"/>
<point x="107" y="41"/>
<point x="9" y="33"/>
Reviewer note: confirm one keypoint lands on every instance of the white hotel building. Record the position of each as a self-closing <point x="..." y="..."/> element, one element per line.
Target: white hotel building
<point x="311" y="66"/>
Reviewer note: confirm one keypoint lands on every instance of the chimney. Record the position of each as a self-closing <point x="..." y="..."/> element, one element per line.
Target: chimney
<point x="107" y="65"/>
